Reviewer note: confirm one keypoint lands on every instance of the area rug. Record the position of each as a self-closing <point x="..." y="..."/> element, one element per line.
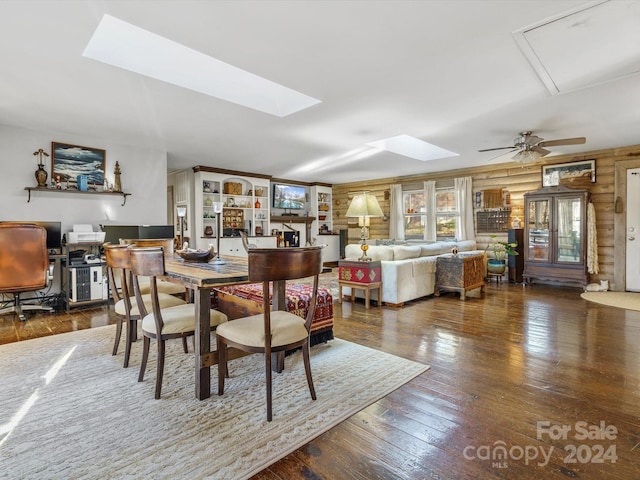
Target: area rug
<point x="69" y="410"/>
<point x="628" y="300"/>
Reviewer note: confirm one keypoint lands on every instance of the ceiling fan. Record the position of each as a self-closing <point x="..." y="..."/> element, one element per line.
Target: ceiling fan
<point x="531" y="147"/>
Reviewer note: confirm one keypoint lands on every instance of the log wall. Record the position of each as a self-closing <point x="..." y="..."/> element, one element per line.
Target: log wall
<point x="518" y="180"/>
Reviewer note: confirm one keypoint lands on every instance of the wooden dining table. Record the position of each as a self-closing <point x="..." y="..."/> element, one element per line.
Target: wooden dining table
<point x="202" y="278"/>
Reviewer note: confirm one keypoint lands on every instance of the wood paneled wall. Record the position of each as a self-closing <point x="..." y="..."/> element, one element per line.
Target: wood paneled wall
<point x="518" y="180"/>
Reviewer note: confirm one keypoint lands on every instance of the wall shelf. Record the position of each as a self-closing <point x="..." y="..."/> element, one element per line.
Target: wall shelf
<point x="89" y="192"/>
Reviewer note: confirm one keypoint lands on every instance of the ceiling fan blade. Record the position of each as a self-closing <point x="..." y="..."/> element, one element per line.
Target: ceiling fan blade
<point x="540" y="150"/>
<point x="563" y="141"/>
<point x="497" y="148"/>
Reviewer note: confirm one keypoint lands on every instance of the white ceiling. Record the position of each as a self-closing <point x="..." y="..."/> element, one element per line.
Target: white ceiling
<point x="447" y="72"/>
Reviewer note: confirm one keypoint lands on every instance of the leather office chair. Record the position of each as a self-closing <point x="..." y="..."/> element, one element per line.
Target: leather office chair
<point x="24" y="264"/>
<point x="125" y="305"/>
<point x="272" y="331"/>
<point x="162" y="323"/>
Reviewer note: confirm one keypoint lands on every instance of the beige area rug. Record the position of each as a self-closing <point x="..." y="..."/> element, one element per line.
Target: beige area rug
<point x="628" y="300"/>
<point x="69" y="410"/>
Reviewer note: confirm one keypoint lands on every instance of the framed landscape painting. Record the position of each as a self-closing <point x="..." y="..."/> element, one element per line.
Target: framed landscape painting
<point x="69" y="161"/>
<point x="560" y="173"/>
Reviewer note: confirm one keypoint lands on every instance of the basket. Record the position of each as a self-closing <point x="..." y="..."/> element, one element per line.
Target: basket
<point x="233" y="188"/>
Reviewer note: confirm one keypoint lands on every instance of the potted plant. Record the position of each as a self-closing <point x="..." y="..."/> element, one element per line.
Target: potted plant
<point x="500" y="250"/>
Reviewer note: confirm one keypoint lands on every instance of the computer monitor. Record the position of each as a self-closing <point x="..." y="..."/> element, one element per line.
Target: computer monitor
<point x="113" y="233"/>
<point x="54" y="233"/>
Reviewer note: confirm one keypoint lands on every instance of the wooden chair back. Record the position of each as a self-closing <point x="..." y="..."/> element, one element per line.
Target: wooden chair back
<point x="165" y="243"/>
<point x="118" y="271"/>
<point x="148" y="262"/>
<point x="281" y="264"/>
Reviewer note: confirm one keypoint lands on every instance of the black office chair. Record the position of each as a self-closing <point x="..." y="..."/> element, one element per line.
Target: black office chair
<point x="24" y="264"/>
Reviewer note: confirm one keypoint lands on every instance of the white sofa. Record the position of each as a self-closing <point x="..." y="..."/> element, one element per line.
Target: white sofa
<point x="408" y="271"/>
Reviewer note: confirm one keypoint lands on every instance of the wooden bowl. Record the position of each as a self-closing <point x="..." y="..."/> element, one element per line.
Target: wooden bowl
<point x="196" y="255"/>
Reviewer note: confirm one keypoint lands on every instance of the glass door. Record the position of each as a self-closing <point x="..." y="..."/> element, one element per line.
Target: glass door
<point x="569" y="221"/>
<point x="538" y="229"/>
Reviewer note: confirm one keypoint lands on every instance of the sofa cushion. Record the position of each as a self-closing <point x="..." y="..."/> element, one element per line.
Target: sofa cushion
<point x="376" y="252"/>
<point x="438" y="248"/>
<point x="404" y="252"/>
<point x="466" y="245"/>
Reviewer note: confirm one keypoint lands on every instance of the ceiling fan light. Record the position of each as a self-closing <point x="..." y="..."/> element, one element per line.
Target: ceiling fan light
<point x="526" y="156"/>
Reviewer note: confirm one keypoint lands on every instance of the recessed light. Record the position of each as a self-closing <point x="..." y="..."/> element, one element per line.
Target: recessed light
<point x="132" y="48"/>
<point x="412" y="147"/>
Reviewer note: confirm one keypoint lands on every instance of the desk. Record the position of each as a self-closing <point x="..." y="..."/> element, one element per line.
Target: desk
<point x="202" y="278"/>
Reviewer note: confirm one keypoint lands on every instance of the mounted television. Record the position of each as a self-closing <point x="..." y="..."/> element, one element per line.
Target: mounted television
<point x="289" y="197"/>
<point x="54" y="233"/>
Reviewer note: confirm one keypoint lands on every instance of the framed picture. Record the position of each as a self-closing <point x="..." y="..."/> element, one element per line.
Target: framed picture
<point x="69" y="161"/>
<point x="555" y="174"/>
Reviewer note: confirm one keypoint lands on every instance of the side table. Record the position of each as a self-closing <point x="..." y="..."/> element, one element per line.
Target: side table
<point x="364" y="275"/>
<point x="367" y="287"/>
<point x="459" y="273"/>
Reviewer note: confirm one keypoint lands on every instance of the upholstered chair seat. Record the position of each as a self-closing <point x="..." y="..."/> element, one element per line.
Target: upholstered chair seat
<point x="167" y="288"/>
<point x="286" y="328"/>
<point x="165" y="300"/>
<point x="179" y="319"/>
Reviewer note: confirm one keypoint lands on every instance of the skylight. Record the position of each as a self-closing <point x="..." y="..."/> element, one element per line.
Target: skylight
<point x="126" y="46"/>
<point x="412" y="147"/>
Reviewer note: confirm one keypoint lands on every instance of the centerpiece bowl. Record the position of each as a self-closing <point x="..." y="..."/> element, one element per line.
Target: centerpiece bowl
<point x="190" y="255"/>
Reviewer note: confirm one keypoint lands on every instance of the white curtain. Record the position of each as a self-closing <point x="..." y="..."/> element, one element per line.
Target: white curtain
<point x="592" y="241"/>
<point x="464" y="225"/>
<point x="430" y="204"/>
<point x="396" y="227"/>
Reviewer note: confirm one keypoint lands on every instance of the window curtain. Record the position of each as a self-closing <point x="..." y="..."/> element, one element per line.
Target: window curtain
<point x="430" y="204"/>
<point x="396" y="227"/>
<point x="464" y="225"/>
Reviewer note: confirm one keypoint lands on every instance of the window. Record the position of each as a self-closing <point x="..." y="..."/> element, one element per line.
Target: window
<point x="446" y="214"/>
<point x="416" y="216"/>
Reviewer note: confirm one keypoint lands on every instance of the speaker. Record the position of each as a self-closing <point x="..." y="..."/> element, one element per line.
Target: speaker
<point x="516" y="262"/>
<point x="343" y="242"/>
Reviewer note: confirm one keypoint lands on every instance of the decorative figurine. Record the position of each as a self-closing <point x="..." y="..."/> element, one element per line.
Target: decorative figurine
<point x="117" y="186"/>
<point x="41" y="173"/>
<point x="58" y="182"/>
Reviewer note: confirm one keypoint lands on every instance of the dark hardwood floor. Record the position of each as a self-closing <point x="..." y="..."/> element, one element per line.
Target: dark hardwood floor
<point x="509" y="371"/>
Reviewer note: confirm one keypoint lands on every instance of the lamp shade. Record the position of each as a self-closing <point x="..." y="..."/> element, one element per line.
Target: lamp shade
<point x="182" y="211"/>
<point x="526" y="156"/>
<point x="364" y="205"/>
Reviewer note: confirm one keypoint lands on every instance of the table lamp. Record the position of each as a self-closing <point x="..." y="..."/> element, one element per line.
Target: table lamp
<point x="182" y="213"/>
<point x="364" y="206"/>
<point x="217" y="208"/>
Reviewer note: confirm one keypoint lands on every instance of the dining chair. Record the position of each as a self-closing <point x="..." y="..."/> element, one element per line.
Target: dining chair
<point x="162" y="324"/>
<point x="272" y="331"/>
<point x="168" y="245"/>
<point x="125" y="306"/>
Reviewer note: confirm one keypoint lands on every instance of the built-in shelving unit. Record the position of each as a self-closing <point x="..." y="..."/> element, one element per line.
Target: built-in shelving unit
<point x="245" y="204"/>
<point x="322" y="208"/>
<point x="81" y="192"/>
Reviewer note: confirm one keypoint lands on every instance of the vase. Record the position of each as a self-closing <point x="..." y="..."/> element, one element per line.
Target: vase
<point x="208" y="231"/>
<point x="496" y="266"/>
<point x="257" y="204"/>
<point x="41" y="176"/>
